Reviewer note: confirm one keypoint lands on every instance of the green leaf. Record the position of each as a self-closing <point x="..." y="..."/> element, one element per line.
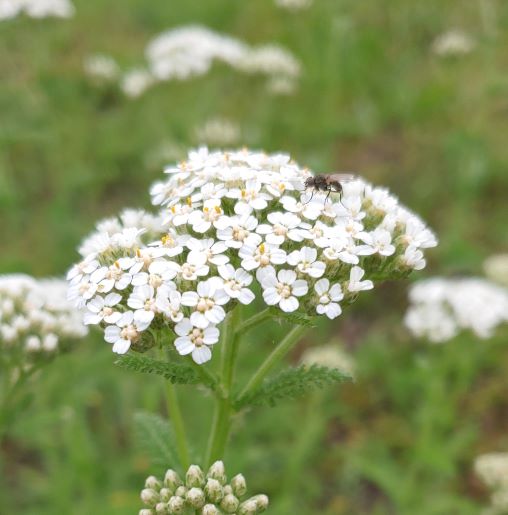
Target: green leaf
<point x="293" y="318"/>
<point x="177" y="373"/>
<point x="154" y="436"/>
<point x="293" y="383"/>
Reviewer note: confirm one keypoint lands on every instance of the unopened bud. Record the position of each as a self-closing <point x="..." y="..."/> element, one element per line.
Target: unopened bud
<point x="239" y="485"/>
<point x="153" y="483"/>
<point x="149" y="496"/>
<point x="165" y="494"/>
<point x="196" y="497"/>
<point x="214" y="490"/>
<point x="194" y="477"/>
<point x="230" y="503"/>
<point x="261" y="501"/>
<point x="228" y="490"/>
<point x="210" y="509"/>
<point x="172" y="480"/>
<point x="218" y="472"/>
<point x="176" y="506"/>
<point x="145" y="511"/>
<point x="161" y="508"/>
<point x="249" y="507"/>
<point x="181" y="491"/>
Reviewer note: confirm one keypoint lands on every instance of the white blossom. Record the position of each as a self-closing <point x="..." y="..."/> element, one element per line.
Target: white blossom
<point x="283" y="289"/>
<point x="36" y="8"/>
<point x="101" y="309"/>
<point x="329" y="297"/>
<point x="207" y="301"/>
<point x="355" y="283"/>
<point x="453" y="42"/>
<point x="126" y="331"/>
<point x="36" y="317"/>
<point x="101" y="67"/>
<point x="440" y="308"/>
<point x="196" y="341"/>
<point x="229" y="224"/>
<point x="190" y="51"/>
<point x="236" y="283"/>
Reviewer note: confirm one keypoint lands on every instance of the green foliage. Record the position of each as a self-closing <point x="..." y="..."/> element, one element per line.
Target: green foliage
<point x="177" y="373"/>
<point x="293" y="318"/>
<point x="293" y="383"/>
<point x="154" y="437"/>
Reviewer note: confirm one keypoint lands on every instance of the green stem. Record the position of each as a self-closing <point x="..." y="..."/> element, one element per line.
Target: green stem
<point x="177" y="423"/>
<point x="290" y="340"/>
<point x="208" y="378"/>
<point x="253" y="320"/>
<point x="176" y="418"/>
<point x="223" y="409"/>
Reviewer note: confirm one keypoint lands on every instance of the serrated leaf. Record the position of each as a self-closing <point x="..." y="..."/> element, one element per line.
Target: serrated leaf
<point x="294" y="318"/>
<point x="177" y="373"/>
<point x="154" y="436"/>
<point x="293" y="383"/>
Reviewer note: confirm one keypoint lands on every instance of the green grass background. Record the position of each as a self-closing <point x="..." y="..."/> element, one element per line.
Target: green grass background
<point x="373" y="99"/>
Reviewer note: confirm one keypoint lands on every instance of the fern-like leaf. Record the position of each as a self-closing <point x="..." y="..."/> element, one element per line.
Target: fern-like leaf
<point x="177" y="373"/>
<point x="293" y="383"/>
<point x="154" y="437"/>
<point x="293" y="318"/>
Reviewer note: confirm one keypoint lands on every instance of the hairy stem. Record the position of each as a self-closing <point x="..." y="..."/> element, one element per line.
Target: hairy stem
<point x="253" y="321"/>
<point x="223" y="409"/>
<point x="176" y="418"/>
<point x="276" y="356"/>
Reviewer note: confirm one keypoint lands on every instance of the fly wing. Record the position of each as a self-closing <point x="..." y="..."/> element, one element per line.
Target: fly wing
<point x="342" y="177"/>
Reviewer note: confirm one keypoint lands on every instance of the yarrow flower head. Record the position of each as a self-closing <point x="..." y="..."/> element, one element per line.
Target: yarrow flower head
<point x="492" y="469"/>
<point x="36" y="8"/>
<point x="233" y="227"/>
<point x="209" y="494"/>
<point x="190" y="51"/>
<point x="36" y="320"/>
<point x="440" y="308"/>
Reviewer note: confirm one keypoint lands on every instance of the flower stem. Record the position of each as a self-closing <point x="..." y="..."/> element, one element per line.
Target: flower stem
<point x="253" y="320"/>
<point x="176" y="418"/>
<point x="223" y="409"/>
<point x="289" y="341"/>
<point x="177" y="423"/>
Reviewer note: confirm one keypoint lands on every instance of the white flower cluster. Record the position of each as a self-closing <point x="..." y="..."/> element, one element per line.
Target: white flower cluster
<point x="35" y="316"/>
<point x="210" y="495"/>
<point x="239" y="225"/>
<point x="190" y="51"/>
<point x="452" y="43"/>
<point x="331" y="356"/>
<point x="101" y="67"/>
<point x="496" y="268"/>
<point x="218" y="131"/>
<point x="440" y="308"/>
<point x="492" y="469"/>
<point x="293" y="5"/>
<point x="36" y="8"/>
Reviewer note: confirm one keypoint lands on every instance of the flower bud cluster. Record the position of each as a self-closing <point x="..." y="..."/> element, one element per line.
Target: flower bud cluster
<point x="35" y="316"/>
<point x="236" y="226"/>
<point x="209" y="494"/>
<point x="440" y="308"/>
<point x="492" y="469"/>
